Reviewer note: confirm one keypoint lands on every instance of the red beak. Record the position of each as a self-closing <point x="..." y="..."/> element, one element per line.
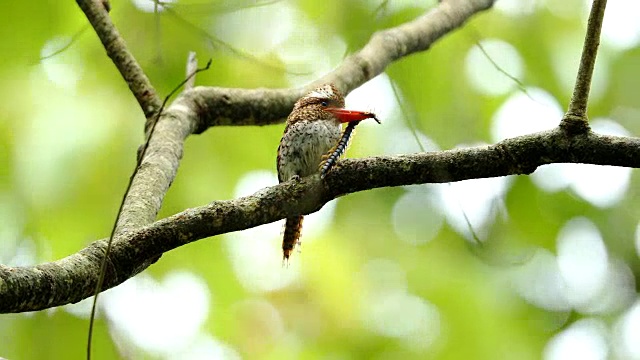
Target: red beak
<point x="345" y="115"/>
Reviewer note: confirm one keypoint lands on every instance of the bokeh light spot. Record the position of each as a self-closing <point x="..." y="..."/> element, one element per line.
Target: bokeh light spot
<point x="479" y="201"/>
<point x="586" y="340"/>
<point x="383" y="275"/>
<point x="523" y="114"/>
<point x="257" y="29"/>
<point x="416" y="217"/>
<point x="620" y="27"/>
<point x="159" y="317"/>
<point x="205" y="347"/>
<point x="602" y="186"/>
<point x="484" y="70"/>
<point x="375" y="95"/>
<point x="64" y="69"/>
<point x="403" y="316"/>
<point x="625" y="334"/>
<point x="582" y="260"/>
<point x="539" y="282"/>
<point x="517" y="7"/>
<point x="257" y="260"/>
<point x="150" y="6"/>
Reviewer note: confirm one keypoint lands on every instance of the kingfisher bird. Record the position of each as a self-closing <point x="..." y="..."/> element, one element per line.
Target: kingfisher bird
<point x="311" y="136"/>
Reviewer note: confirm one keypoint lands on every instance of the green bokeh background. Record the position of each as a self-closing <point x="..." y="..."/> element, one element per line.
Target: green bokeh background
<point x="61" y="179"/>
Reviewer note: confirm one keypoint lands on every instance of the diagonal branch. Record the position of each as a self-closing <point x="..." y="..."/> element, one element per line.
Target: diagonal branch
<point x="202" y="107"/>
<point x="98" y="15"/>
<point x="220" y="106"/>
<point x="73" y="278"/>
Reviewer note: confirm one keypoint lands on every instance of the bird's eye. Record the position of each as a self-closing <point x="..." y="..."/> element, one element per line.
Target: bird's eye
<point x="324" y="103"/>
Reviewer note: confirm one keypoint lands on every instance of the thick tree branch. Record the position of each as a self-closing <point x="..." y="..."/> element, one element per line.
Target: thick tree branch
<point x="73" y="278"/>
<point x="196" y="110"/>
<point x="158" y="168"/>
<point x="578" y="105"/>
<point x="140" y="86"/>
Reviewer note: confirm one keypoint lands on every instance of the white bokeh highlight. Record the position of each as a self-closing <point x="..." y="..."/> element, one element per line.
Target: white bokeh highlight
<point x="82" y="309"/>
<point x="257" y="29"/>
<point x="620" y="27"/>
<point x="15" y="249"/>
<point x="389" y="310"/>
<point x="565" y="59"/>
<point x="391" y="7"/>
<point x="256" y="257"/>
<point x="401" y="140"/>
<point x="523" y="114"/>
<point x="566" y="8"/>
<point x="416" y="217"/>
<point x="484" y="70"/>
<point x="64" y="69"/>
<point x="406" y="317"/>
<point x="480" y="201"/>
<point x="617" y="293"/>
<point x="149" y="6"/>
<point x="43" y="162"/>
<point x="602" y="186"/>
<point x="307" y="52"/>
<point x="205" y="347"/>
<point x="582" y="277"/>
<point x="24" y="253"/>
<point x="582" y="260"/>
<point x="625" y="334"/>
<point x="517" y="8"/>
<point x="160" y="317"/>
<point x="383" y="275"/>
<point x="539" y="282"/>
<point x="256" y="253"/>
<point x="586" y="339"/>
<point x="638" y="239"/>
<point x="376" y="95"/>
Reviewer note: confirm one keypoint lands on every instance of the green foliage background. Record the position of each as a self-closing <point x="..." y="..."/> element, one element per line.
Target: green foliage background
<point x="66" y="156"/>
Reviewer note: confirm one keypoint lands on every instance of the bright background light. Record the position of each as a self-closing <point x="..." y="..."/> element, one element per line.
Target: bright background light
<point x="389" y="273"/>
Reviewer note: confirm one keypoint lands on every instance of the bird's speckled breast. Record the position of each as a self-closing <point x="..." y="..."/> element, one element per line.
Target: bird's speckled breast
<point x="303" y="145"/>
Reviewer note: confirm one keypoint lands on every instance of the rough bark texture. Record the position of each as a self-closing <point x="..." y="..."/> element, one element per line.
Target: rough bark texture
<point x="140" y="241"/>
<point x="72" y="279"/>
<point x="97" y="13"/>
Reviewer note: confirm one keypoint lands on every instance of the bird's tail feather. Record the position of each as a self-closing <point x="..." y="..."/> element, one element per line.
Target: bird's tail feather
<point x="291" y="238"/>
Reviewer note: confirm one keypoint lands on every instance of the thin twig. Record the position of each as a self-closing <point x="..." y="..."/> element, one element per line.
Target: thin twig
<point x="74" y="38"/>
<point x="499" y="68"/>
<point x="578" y="104"/>
<point x="103" y="264"/>
<point x="117" y="50"/>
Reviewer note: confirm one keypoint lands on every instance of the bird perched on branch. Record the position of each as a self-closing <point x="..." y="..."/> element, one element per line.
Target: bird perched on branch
<point x="312" y="137"/>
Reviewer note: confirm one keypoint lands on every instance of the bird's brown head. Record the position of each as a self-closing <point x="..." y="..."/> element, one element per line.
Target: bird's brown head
<point x="325" y="103"/>
<point x="314" y="105"/>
